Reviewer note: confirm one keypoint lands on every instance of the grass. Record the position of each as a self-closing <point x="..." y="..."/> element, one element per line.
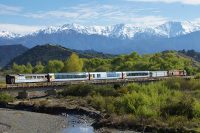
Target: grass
<point x="2" y="84"/>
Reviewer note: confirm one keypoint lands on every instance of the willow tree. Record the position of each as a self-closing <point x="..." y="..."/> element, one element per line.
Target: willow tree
<point x="55" y="66"/>
<point x="73" y="64"/>
<point x="39" y="68"/>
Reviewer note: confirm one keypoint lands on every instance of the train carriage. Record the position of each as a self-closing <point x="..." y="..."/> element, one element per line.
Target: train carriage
<point x="177" y="73"/>
<point x="158" y="73"/>
<point x="56" y="77"/>
<point x="26" y="78"/>
<point x="136" y="74"/>
<point x="105" y="75"/>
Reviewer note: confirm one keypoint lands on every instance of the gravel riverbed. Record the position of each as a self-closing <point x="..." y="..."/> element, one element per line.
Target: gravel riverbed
<point x="14" y="121"/>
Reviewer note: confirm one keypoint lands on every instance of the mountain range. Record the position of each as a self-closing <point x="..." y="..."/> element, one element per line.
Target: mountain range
<point x="116" y="39"/>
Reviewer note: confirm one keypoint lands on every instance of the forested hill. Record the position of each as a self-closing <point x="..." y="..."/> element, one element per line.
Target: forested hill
<point x="8" y="52"/>
<point x="191" y="53"/>
<point x="44" y="53"/>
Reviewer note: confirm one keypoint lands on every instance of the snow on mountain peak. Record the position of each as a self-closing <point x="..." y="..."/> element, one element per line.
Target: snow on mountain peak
<point x="7" y="34"/>
<point x="123" y="31"/>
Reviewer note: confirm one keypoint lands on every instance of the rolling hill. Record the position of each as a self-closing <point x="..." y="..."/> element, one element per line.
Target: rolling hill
<point x="47" y="52"/>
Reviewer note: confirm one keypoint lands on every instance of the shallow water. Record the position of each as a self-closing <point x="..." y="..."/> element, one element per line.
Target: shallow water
<point x="78" y="124"/>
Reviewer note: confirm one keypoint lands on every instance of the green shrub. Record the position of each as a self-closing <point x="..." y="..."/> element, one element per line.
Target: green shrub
<point x="5" y="98"/>
<point x="177" y="121"/>
<point x="186" y="106"/>
<point x="98" y="102"/>
<point x="196" y="109"/>
<point x="109" y="105"/>
<point x="197" y="76"/>
<point x="86" y="89"/>
<point x="106" y="90"/>
<point x="77" y="90"/>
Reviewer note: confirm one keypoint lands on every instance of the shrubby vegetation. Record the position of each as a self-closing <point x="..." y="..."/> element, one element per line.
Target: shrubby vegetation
<point x="160" y="61"/>
<point x="172" y="102"/>
<point x="72" y="64"/>
<point x="5" y="98"/>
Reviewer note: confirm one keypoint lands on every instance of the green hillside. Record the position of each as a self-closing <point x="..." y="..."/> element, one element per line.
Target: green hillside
<point x="44" y="53"/>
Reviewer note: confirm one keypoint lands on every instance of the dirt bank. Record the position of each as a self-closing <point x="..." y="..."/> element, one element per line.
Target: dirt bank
<point x="14" y="121"/>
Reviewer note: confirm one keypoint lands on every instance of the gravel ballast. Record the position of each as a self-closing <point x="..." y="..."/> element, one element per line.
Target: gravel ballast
<point x="14" y="121"/>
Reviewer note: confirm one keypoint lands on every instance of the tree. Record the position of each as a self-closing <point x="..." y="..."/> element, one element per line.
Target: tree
<point x="18" y="68"/>
<point x="39" y="68"/>
<point x="73" y="64"/>
<point x="28" y="68"/>
<point x="55" y="66"/>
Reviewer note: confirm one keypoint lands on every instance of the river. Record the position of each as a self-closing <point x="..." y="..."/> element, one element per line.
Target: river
<point x="78" y="124"/>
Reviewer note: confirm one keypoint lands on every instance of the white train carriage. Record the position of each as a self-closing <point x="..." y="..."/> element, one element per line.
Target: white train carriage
<point x="56" y="77"/>
<point x="26" y="78"/>
<point x="159" y="73"/>
<point x="105" y="75"/>
<point x="136" y="74"/>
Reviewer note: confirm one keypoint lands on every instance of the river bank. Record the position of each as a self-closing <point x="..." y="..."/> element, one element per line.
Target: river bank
<point x="15" y="121"/>
<point x="99" y="123"/>
<point x="78" y="118"/>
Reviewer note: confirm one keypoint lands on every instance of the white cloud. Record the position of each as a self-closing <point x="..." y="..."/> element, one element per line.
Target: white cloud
<point x="190" y="2"/>
<point x="98" y="14"/>
<point x="50" y="14"/>
<point x="9" y="10"/>
<point x="19" y="29"/>
<point x="140" y="21"/>
<point x="88" y="14"/>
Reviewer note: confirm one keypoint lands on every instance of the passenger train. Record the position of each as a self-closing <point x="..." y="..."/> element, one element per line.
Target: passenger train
<point x="82" y="76"/>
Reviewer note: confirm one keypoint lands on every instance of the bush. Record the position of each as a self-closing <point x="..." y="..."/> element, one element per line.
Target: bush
<point x="5" y="98"/>
<point x="98" y="102"/>
<point x="86" y="89"/>
<point x="186" y="106"/>
<point x="177" y="121"/>
<point x="196" y="109"/>
<point x="197" y="76"/>
<point x="106" y="90"/>
<point x="77" y="90"/>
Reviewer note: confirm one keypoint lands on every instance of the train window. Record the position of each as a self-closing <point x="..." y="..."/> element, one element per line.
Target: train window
<point x="111" y="74"/>
<point x="28" y="77"/>
<point x="98" y="75"/>
<point x="69" y="76"/>
<point x="137" y="74"/>
<point x="40" y="77"/>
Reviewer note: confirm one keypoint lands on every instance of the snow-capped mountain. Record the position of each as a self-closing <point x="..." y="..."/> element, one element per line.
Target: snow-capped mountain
<point x="123" y="31"/>
<point x="173" y="29"/>
<point x="120" y="38"/>
<point x="9" y="35"/>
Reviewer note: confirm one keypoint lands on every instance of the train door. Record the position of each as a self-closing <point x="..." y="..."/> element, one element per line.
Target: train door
<point x="151" y="74"/>
<point x="10" y="79"/>
<point x="91" y="76"/>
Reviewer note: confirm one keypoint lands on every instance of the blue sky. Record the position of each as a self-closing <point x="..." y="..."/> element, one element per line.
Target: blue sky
<point x="29" y="15"/>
